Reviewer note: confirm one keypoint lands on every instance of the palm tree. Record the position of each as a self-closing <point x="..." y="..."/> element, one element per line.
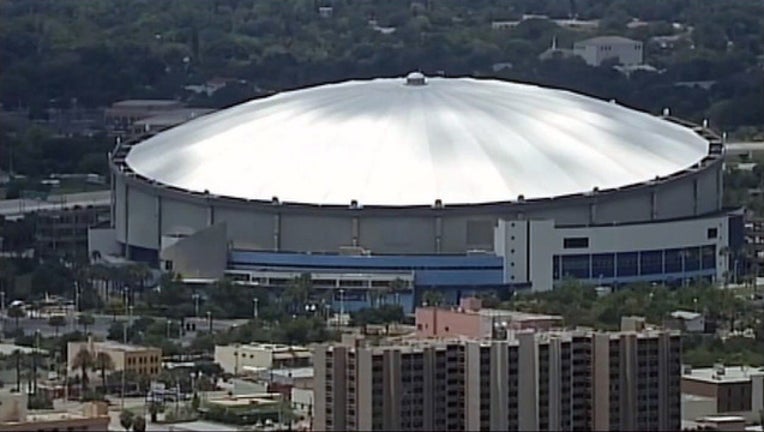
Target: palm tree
<point x="103" y="362"/>
<point x="57" y="321"/>
<point x="16" y="312"/>
<point x="83" y="361"/>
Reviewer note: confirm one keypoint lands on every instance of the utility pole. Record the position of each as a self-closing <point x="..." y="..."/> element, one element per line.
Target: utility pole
<point x="34" y="361"/>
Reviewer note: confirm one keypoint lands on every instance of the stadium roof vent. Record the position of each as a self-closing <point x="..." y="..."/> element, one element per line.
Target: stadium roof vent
<point x="416" y="79"/>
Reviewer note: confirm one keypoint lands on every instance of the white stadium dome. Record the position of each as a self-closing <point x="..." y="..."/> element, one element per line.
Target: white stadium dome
<point x="383" y="142"/>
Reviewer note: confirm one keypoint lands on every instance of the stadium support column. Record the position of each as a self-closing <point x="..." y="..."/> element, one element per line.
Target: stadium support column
<point x="113" y="200"/>
<point x="719" y="187"/>
<point x="653" y="204"/>
<point x="210" y="213"/>
<point x="438" y="234"/>
<point x="695" y="194"/>
<point x="276" y="231"/>
<point x="593" y="212"/>
<point x="356" y="230"/>
<point x="159" y="222"/>
<point x="127" y="220"/>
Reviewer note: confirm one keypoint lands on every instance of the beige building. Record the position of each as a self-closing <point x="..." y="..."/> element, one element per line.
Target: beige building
<point x="15" y="417"/>
<point x="133" y="358"/>
<point x="722" y="391"/>
<point x="529" y="381"/>
<point x="247" y="358"/>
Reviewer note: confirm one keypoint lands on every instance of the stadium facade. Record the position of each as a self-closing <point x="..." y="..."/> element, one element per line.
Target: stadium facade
<point x="398" y="186"/>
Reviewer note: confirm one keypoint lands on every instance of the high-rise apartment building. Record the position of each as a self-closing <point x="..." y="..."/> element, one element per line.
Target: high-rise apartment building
<point x="567" y="380"/>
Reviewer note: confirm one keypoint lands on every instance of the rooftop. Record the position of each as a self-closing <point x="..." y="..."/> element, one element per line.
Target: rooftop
<point x="601" y="40"/>
<point x="515" y="315"/>
<point x="135" y="103"/>
<point x="730" y="374"/>
<point x="173" y="117"/>
<point x="275" y="348"/>
<point x="685" y="315"/>
<point x="117" y="346"/>
<point x="453" y="140"/>
<point x="303" y="372"/>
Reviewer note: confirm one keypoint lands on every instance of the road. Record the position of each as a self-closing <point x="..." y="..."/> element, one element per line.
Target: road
<point x="100" y="328"/>
<point x="744" y="147"/>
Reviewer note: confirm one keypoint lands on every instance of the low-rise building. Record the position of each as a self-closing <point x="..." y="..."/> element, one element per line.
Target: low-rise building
<point x="470" y="319"/>
<point x="722" y="390"/>
<point x="121" y="115"/>
<point x="690" y="322"/>
<point x="14" y="416"/>
<point x="596" y="50"/>
<point x="133" y="358"/>
<point x="254" y="357"/>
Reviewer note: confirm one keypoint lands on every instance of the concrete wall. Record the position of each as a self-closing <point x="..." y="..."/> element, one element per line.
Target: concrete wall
<point x="145" y="212"/>
<point x="201" y="255"/>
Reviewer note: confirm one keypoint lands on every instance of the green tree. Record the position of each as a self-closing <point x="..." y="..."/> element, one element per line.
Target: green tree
<point x="139" y="424"/>
<point x="83" y="361"/>
<point x="57" y="321"/>
<point x="432" y="298"/>
<point x="85" y="320"/>
<point x="126" y="419"/>
<point x="103" y="362"/>
<point x="16" y="312"/>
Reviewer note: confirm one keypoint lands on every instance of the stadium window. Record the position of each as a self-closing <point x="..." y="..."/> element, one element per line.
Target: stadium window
<point x="711" y="233"/>
<point x="651" y="262"/>
<point x="576" y="266"/>
<point x="708" y="257"/>
<point x="603" y="265"/>
<point x="673" y="260"/>
<point x="575" y="242"/>
<point x="627" y="263"/>
<point x="692" y="259"/>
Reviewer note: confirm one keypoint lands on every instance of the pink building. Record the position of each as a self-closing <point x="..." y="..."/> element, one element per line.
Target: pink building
<point x="471" y="320"/>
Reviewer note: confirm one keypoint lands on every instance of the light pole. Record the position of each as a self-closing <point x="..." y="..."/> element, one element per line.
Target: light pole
<point x="255" y="301"/>
<point x="124" y="365"/>
<point x="168" y="328"/>
<point x="209" y="320"/>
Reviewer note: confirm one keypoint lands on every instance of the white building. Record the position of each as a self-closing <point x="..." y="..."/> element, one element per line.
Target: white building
<point x="692" y="322"/>
<point x="250" y="358"/>
<point x="596" y="50"/>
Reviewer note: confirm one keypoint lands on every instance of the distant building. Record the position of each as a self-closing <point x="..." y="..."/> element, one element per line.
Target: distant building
<point x="596" y="50"/>
<point x="121" y="115"/>
<point x="690" y="322"/>
<point x="64" y="232"/>
<point x="133" y="358"/>
<point x="247" y="409"/>
<point x="722" y="390"/>
<point x="14" y="416"/>
<point x="471" y="320"/>
<point x="569" y="380"/>
<point x="255" y="357"/>
<point x="166" y="120"/>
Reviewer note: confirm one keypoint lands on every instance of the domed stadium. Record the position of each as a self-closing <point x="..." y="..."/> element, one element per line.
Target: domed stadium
<point x="421" y="183"/>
